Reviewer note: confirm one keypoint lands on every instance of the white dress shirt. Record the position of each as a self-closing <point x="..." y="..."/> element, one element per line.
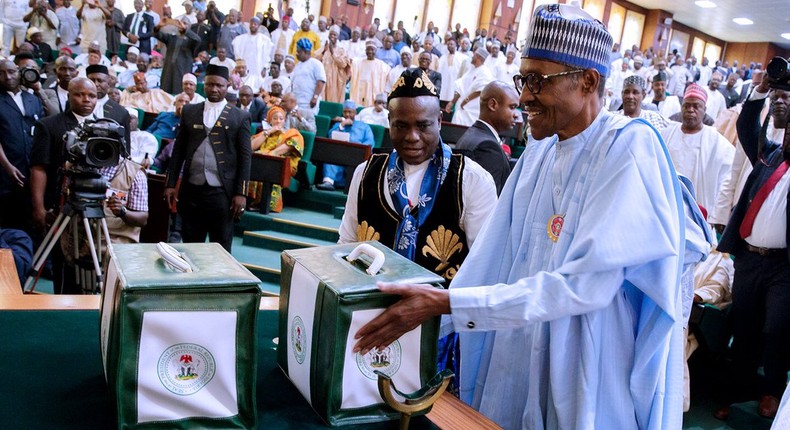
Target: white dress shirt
<point x="18" y="100"/>
<point x="211" y="112"/>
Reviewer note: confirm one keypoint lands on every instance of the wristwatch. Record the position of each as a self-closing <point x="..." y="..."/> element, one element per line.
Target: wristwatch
<point x="123" y="213"/>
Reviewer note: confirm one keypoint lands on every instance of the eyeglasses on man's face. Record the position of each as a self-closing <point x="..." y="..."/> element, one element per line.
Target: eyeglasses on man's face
<point x="535" y="81"/>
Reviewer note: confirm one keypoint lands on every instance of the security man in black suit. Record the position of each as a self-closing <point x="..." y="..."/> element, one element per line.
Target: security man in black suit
<point x="213" y="147"/>
<point x="18" y="114"/>
<point x="481" y="142"/>
<point x="139" y="27"/>
<point x="47" y="158"/>
<point x="106" y="107"/>
<point x="759" y="314"/>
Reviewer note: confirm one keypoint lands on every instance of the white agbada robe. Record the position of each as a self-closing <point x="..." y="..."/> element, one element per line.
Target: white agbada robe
<point x="394" y="74"/>
<point x="474" y="80"/>
<point x="370" y="116"/>
<point x="494" y="63"/>
<point x="256" y="49"/>
<point x="584" y="333"/>
<point x="715" y="104"/>
<point x="354" y="50"/>
<point x="368" y="78"/>
<point x="668" y="107"/>
<point x="451" y="68"/>
<point x="507" y="71"/>
<point x="782" y="419"/>
<point x="704" y="157"/>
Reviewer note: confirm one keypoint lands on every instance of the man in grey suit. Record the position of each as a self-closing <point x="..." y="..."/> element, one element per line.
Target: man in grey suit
<point x="300" y="119"/>
<point x="56" y="99"/>
<point x="213" y="147"/>
<point x="498" y="114"/>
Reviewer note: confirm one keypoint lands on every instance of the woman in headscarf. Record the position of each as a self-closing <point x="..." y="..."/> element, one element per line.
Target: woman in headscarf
<point x="280" y="142"/>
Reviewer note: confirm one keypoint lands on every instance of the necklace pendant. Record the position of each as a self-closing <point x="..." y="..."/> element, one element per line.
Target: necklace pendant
<point x="554" y="226"/>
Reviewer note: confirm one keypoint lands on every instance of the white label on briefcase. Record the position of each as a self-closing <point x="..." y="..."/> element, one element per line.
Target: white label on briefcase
<point x="301" y="311"/>
<point x="400" y="360"/>
<point x="187" y="365"/>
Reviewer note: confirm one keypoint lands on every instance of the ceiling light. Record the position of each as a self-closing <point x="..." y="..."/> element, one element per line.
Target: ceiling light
<point x="786" y="35"/>
<point x="705" y="4"/>
<point x="743" y="21"/>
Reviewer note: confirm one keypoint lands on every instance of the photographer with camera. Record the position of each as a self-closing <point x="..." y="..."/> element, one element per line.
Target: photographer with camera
<point x="757" y="235"/>
<point x="124" y="214"/>
<point x="19" y="111"/>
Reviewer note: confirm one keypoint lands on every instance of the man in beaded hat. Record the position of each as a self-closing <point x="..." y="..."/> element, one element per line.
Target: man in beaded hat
<point x="435" y="202"/>
<point x="632" y="96"/>
<point x="213" y="149"/>
<point x="566" y="318"/>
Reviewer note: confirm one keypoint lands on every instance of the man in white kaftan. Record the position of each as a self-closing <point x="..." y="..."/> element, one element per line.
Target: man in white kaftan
<point x="395" y="72"/>
<point x="255" y="47"/>
<point x="698" y="151"/>
<point x="578" y="325"/>
<point x="452" y="66"/>
<point x="368" y="78"/>
<point x="467" y="90"/>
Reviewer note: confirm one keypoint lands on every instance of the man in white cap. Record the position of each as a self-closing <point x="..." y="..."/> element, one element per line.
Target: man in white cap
<point x="452" y="65"/>
<point x="698" y="151"/>
<point x="368" y="77"/>
<point x="405" y="63"/>
<point x="190" y="14"/>
<point x="560" y="278"/>
<point x="95" y="47"/>
<point x="282" y="37"/>
<point x="46" y="21"/>
<point x="255" y="47"/>
<point x="466" y="99"/>
<point x="496" y="59"/>
<point x="337" y="66"/>
<point x="376" y="114"/>
<point x="69" y="26"/>
<point x="188" y="87"/>
<point x="323" y="31"/>
<point x="355" y="48"/>
<point x="143" y="144"/>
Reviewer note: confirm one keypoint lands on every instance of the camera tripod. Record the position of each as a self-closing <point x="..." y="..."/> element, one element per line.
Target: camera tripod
<point x="88" y="274"/>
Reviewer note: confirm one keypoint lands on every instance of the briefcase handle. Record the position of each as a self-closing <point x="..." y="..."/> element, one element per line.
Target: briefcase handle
<point x="375" y="254"/>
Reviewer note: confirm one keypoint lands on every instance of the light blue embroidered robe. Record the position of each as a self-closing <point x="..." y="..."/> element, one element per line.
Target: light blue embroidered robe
<point x="584" y="333"/>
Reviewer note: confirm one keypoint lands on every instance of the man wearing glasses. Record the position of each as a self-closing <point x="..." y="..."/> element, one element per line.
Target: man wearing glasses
<point x="568" y="304"/>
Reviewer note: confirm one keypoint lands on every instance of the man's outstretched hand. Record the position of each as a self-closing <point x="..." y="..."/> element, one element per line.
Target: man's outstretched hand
<point x="419" y="302"/>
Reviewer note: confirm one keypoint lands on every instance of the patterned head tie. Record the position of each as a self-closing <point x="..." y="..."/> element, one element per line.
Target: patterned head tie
<point x="568" y="35"/>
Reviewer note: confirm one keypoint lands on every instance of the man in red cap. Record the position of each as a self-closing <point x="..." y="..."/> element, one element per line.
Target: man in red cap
<point x="698" y="151"/>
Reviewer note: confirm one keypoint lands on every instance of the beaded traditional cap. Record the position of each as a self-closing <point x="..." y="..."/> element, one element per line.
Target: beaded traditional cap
<point x="568" y="35"/>
<point x="635" y="80"/>
<point x="413" y="83"/>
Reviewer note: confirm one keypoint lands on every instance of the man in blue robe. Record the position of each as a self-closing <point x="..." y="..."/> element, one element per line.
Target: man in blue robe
<point x="569" y="303"/>
<point x="358" y="132"/>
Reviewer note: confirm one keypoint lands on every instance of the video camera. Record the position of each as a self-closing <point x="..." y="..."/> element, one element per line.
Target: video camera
<point x="778" y="74"/>
<point x="90" y="146"/>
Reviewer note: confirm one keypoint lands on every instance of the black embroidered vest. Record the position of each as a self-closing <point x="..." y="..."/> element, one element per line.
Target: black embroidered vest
<point x="441" y="244"/>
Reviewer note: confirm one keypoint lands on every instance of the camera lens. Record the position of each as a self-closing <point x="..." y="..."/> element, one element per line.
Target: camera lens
<point x="102" y="152"/>
<point x="29" y="75"/>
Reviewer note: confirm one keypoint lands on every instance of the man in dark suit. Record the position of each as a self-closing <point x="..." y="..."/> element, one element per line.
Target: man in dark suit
<point x="481" y="142"/>
<point x="424" y="60"/>
<point x="254" y="105"/>
<point x="105" y="107"/>
<point x="18" y="115"/>
<point x="46" y="159"/>
<point x="757" y="235"/>
<point x="138" y="27"/>
<point x="213" y="147"/>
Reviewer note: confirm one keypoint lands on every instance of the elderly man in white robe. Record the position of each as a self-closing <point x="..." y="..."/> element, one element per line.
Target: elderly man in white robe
<point x="395" y="72"/>
<point x="452" y="65"/>
<point x="255" y="48"/>
<point x="468" y="88"/>
<point x="698" y="151"/>
<point x="567" y="320"/>
<point x="376" y="114"/>
<point x="368" y="77"/>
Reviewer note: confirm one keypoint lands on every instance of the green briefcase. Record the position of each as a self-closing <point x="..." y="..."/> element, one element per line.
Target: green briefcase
<point x="179" y="349"/>
<point x="324" y="300"/>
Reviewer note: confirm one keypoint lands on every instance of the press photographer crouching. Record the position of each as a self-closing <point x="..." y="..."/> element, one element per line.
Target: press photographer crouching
<point x="126" y="207"/>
